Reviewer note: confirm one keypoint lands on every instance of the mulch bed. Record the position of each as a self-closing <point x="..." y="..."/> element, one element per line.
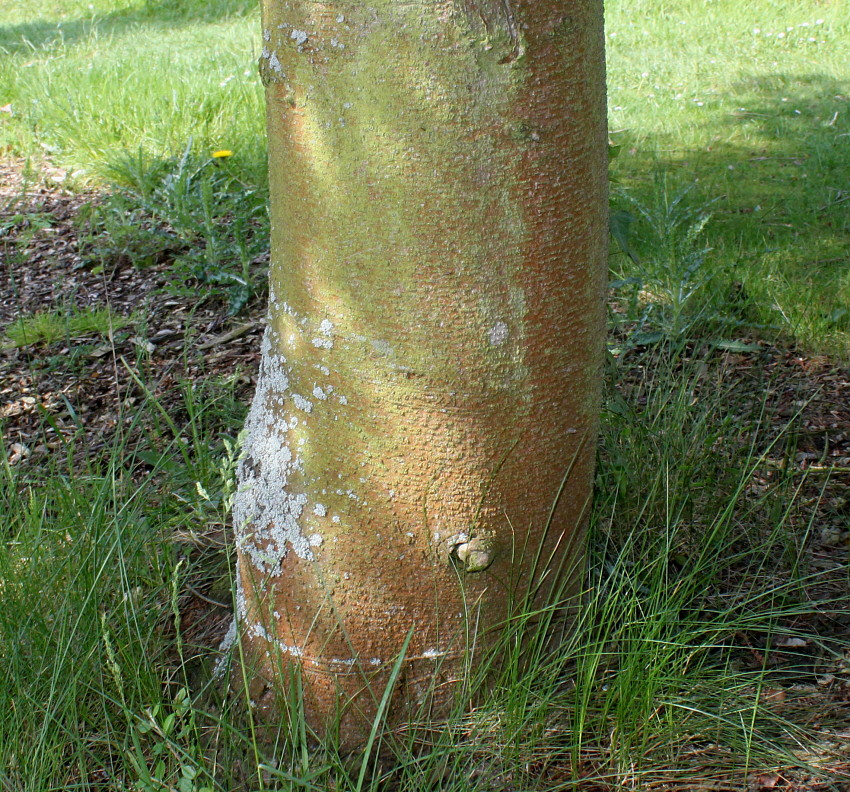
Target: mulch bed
<point x="90" y="385"/>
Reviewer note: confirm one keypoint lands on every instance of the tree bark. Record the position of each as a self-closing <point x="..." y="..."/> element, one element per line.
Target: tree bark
<point x="431" y="367"/>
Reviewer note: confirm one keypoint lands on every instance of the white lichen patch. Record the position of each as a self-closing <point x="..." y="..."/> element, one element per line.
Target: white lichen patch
<point x="381" y="347"/>
<point x="224" y="648"/>
<point x="319" y="393"/>
<point x="335" y="518"/>
<point x="299" y="37"/>
<point x="266" y="511"/>
<point x="498" y="334"/>
<point x="316" y="540"/>
<point x="301" y="403"/>
<point x="271" y="57"/>
<point x="259" y="631"/>
<point x="320" y="510"/>
<point x="323" y="343"/>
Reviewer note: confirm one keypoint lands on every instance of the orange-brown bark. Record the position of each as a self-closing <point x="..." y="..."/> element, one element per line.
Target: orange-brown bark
<point x="432" y="364"/>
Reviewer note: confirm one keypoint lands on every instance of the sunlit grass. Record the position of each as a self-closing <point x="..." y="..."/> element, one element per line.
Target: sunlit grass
<point x="746" y="105"/>
<point x="87" y="85"/>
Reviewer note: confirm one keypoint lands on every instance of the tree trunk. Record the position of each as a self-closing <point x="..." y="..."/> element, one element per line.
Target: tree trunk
<point x="431" y="367"/>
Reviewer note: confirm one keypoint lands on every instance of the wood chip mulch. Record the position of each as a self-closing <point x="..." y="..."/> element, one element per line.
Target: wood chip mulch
<point x="89" y="386"/>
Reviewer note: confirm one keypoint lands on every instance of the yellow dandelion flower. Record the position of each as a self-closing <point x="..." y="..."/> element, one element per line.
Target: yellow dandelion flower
<point x="222" y="153"/>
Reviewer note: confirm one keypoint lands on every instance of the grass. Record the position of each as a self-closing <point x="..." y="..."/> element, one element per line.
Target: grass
<point x="740" y="107"/>
<point x="92" y="86"/>
<point x="93" y="81"/>
<point x="745" y="107"/>
<point x="47" y="327"/>
<point x="649" y="682"/>
<point x="698" y="652"/>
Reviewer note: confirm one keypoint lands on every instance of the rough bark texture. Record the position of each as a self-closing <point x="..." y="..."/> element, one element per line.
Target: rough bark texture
<point x="431" y="366"/>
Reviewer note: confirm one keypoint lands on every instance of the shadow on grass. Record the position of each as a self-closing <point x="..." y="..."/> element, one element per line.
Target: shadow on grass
<point x="166" y="14"/>
<point x="775" y="179"/>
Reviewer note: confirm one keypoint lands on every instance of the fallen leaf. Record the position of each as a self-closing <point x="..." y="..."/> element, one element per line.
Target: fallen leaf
<point x="773" y="696"/>
<point x="144" y="344"/>
<point x="18" y="452"/>
<point x="766" y="781"/>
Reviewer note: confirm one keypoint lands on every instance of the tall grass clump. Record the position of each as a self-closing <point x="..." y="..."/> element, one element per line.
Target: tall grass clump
<point x="96" y="677"/>
<point x="80" y="562"/>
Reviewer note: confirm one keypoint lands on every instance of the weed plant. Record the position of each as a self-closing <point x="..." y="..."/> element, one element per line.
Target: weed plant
<point x="744" y="108"/>
<point x="197" y="211"/>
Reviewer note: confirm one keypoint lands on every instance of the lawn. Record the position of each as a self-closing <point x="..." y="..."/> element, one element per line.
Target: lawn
<point x="711" y="650"/>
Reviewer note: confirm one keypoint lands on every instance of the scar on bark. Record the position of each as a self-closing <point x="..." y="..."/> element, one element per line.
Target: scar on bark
<point x="498" y="18"/>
